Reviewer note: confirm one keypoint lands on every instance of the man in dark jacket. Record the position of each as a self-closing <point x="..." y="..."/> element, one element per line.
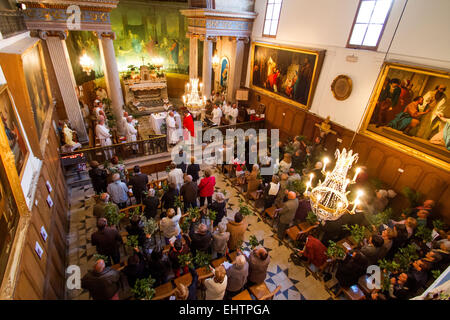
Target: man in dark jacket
<point x="258" y="262"/>
<point x="136" y="269"/>
<point x="136" y="228"/>
<point x="189" y="192"/>
<point x="353" y="267"/>
<point x="219" y="206"/>
<point x="139" y="183"/>
<point x="98" y="177"/>
<point x="201" y="239"/>
<point x="193" y="169"/>
<point x="168" y="199"/>
<point x="107" y="240"/>
<point x="151" y="203"/>
<point x="102" y="282"/>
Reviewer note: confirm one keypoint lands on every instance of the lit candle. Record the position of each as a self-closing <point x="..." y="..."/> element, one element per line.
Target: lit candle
<point x="184" y="99"/>
<point x="325" y="162"/>
<point x="311" y="176"/>
<point x="358" y="170"/>
<point x="347" y="181"/>
<point x="308" y="185"/>
<point x="355" y="204"/>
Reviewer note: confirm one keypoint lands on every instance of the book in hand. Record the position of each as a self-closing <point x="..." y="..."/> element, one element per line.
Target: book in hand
<point x="227" y="265"/>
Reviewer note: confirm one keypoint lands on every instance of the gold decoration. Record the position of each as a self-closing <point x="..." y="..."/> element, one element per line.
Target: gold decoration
<point x="341" y="87"/>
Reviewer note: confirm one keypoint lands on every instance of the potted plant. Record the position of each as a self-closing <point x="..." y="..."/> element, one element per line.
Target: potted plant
<point x="143" y="289"/>
<point x="253" y="241"/>
<point x="244" y="209"/>
<point x="132" y="241"/>
<point x="185" y="259"/>
<point x="438" y="225"/>
<point x="112" y="215"/>
<point x="202" y="259"/>
<point x="178" y="203"/>
<point x="380" y="218"/>
<point x="150" y="225"/>
<point x="357" y="233"/>
<point x="335" y="252"/>
<point x="311" y="218"/>
<point x="424" y="233"/>
<point x="297" y="186"/>
<point x="413" y="196"/>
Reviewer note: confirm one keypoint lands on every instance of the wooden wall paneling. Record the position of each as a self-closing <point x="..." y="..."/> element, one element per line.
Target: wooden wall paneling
<point x="362" y="148"/>
<point x="374" y="160"/>
<point x="410" y="177"/>
<point x="389" y="170"/>
<point x="26" y="289"/>
<point x="298" y="123"/>
<point x="432" y="185"/>
<point x="443" y="204"/>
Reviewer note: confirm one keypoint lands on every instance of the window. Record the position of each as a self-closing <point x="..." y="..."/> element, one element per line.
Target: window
<point x="369" y="24"/>
<point x="273" y="11"/>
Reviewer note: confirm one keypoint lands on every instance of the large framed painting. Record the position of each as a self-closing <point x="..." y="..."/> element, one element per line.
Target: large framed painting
<point x="37" y="84"/>
<point x="410" y="110"/>
<point x="23" y="65"/>
<point x="13" y="130"/>
<point x="286" y="73"/>
<point x="13" y="211"/>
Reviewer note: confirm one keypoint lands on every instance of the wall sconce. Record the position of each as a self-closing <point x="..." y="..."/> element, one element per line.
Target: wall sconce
<point x="86" y="63"/>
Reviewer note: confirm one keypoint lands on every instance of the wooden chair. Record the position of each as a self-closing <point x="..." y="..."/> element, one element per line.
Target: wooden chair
<point x="272" y="213"/>
<point x="244" y="295"/>
<point x="185" y="279"/>
<point x="261" y="292"/>
<point x="353" y="293"/>
<point x="232" y="256"/>
<point x="293" y="233"/>
<point x="132" y="208"/>
<point x="204" y="273"/>
<point x="254" y="195"/>
<point x="164" y="291"/>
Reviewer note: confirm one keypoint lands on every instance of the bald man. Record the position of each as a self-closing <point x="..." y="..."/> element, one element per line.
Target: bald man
<point x="102" y="282"/>
<point x="100" y="206"/>
<point x="287" y="214"/>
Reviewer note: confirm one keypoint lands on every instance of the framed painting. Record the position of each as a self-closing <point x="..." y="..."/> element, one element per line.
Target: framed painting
<point x="13" y="214"/>
<point x="224" y="68"/>
<point x="37" y="84"/>
<point x="286" y="73"/>
<point x="23" y="65"/>
<point x="13" y="130"/>
<point x="410" y="110"/>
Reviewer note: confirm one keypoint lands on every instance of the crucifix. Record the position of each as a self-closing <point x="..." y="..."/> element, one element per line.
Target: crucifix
<point x="325" y="127"/>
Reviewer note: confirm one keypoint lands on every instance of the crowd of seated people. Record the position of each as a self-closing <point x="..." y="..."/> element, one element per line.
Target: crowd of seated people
<point x="385" y="243"/>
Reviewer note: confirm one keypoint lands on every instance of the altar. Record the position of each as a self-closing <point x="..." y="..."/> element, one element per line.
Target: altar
<point x="158" y="119"/>
<point x="146" y="92"/>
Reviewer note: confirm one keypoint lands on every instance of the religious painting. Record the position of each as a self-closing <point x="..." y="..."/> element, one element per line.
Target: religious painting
<point x="286" y="73"/>
<point x="224" y="68"/>
<point x="9" y="219"/>
<point x="13" y="130"/>
<point x="37" y="84"/>
<point x="410" y="109"/>
<point x="151" y="29"/>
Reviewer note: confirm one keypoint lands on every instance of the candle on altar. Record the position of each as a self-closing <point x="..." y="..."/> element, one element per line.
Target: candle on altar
<point x="308" y="185"/>
<point x="311" y="176"/>
<point x="358" y="170"/>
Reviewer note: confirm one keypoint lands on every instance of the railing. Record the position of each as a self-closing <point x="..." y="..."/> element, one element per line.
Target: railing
<point x="11" y="23"/>
<point x="141" y="148"/>
<point x="259" y="124"/>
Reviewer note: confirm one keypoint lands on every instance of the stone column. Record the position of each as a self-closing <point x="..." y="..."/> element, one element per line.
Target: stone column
<point x="112" y="78"/>
<point x="207" y="66"/>
<point x="56" y="43"/>
<point x="237" y="60"/>
<point x="193" y="56"/>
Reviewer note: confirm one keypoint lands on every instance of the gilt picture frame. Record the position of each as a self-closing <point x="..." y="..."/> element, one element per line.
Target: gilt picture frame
<point x="286" y="73"/>
<point x="410" y="111"/>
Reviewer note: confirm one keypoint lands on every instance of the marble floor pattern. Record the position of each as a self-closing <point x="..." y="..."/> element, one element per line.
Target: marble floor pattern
<point x="297" y="282"/>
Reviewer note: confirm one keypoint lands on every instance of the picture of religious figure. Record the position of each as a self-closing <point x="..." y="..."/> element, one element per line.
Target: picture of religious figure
<point x="224" y="67"/>
<point x="36" y="80"/>
<point x="411" y="106"/>
<point x="288" y="73"/>
<point x="9" y="218"/>
<point x="12" y="129"/>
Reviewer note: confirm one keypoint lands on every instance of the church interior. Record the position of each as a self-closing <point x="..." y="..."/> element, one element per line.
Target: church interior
<point x="224" y="150"/>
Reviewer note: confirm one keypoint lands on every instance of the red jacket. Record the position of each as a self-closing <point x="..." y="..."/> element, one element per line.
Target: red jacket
<point x="206" y="187"/>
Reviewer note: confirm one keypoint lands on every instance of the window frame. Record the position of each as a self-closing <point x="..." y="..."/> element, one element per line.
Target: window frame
<point x="373" y="48"/>
<point x="265" y="19"/>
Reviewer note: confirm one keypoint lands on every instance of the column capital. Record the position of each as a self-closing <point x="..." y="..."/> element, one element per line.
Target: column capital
<point x="105" y="35"/>
<point x="194" y="35"/>
<point x="211" y="38"/>
<point x="243" y="39"/>
<point x="44" y="34"/>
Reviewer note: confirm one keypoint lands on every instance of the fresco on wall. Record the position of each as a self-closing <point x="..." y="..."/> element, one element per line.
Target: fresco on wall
<point x="286" y="73"/>
<point x="78" y="43"/>
<point x="151" y="30"/>
<point x="411" y="107"/>
<point x="224" y="67"/>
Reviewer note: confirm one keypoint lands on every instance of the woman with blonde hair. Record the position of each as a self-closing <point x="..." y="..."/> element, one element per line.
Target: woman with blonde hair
<point x="286" y="163"/>
<point x="216" y="286"/>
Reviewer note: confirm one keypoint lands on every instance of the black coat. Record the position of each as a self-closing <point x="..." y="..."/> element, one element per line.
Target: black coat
<point x="137" y="230"/>
<point x="168" y="198"/>
<point x="98" y="177"/>
<point x="193" y="170"/>
<point x="102" y="286"/>
<point x="349" y="271"/>
<point x="220" y="209"/>
<point x="151" y="206"/>
<point x="189" y="191"/>
<point x="139" y="183"/>
<point x="200" y="242"/>
<point x="136" y="271"/>
<point x="107" y="241"/>
<point x="159" y="270"/>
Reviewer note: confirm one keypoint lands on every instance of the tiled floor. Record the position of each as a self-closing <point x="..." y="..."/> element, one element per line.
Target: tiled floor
<point x="297" y="283"/>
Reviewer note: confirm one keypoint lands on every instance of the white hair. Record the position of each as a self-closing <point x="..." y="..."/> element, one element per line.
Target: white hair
<point x="116" y="177"/>
<point x="240" y="261"/>
<point x="151" y="192"/>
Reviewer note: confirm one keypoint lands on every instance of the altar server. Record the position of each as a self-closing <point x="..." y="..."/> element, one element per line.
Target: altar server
<point x="233" y="114"/>
<point x="172" y="133"/>
<point x="216" y="115"/>
<point x="131" y="131"/>
<point x="103" y="135"/>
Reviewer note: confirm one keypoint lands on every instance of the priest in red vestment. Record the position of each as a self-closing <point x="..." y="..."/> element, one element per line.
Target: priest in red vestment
<point x="188" y="124"/>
